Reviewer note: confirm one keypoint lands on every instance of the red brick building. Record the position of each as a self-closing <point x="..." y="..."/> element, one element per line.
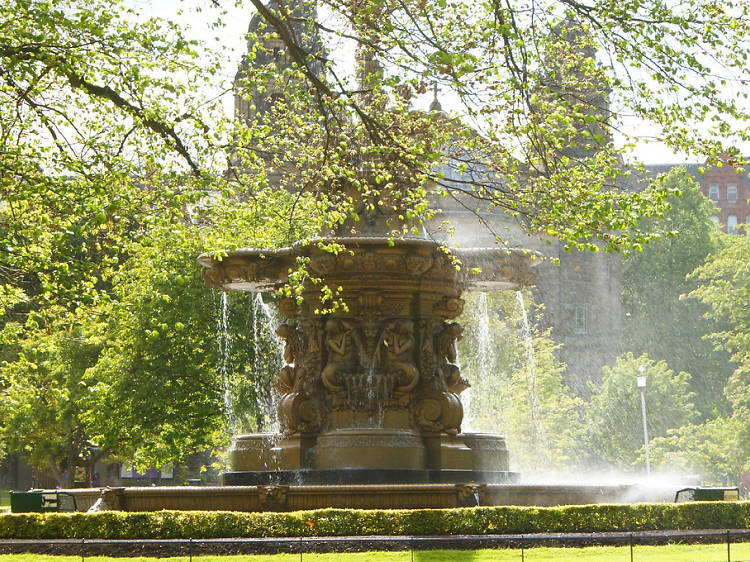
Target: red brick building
<point x="728" y="189"/>
<point x="730" y="192"/>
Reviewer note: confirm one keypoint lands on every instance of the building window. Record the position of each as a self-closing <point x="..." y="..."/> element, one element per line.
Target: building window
<point x="715" y="220"/>
<point x="581" y="319"/>
<point x="713" y="192"/>
<point x="732" y="192"/>
<point x="732" y="224"/>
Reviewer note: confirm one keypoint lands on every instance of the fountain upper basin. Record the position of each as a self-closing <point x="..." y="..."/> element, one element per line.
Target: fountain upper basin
<point x="482" y="269"/>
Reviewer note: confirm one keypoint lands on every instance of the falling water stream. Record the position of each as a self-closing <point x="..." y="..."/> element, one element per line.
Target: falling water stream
<point x="264" y="322"/>
<point x="530" y="369"/>
<point x="485" y="358"/>
<point x="225" y="350"/>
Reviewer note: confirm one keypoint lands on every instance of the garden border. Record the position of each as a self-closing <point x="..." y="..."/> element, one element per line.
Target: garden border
<point x="186" y="547"/>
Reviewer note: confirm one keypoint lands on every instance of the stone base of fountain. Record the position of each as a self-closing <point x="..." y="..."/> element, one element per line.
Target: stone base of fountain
<point x="290" y="497"/>
<point x="369" y="456"/>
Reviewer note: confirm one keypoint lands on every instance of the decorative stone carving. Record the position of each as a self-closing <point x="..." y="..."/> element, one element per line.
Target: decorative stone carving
<point x="288" y="307"/>
<point x="370" y="301"/>
<point x="343" y="345"/>
<point x="371" y="441"/>
<point x="469" y="495"/>
<point x="368" y="261"/>
<point x="448" y="356"/>
<point x="300" y="409"/>
<point x="322" y="264"/>
<point x="300" y="413"/>
<point x="438" y="408"/>
<point x="439" y="412"/>
<point x="273" y="497"/>
<point x="448" y="307"/>
<point x="417" y="264"/>
<point x="428" y="363"/>
<point x="240" y="271"/>
<point x="287" y="380"/>
<point x="395" y="355"/>
<point x="214" y="277"/>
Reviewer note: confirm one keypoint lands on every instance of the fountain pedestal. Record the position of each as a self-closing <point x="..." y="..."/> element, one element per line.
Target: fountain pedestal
<point x="370" y="389"/>
<point x="373" y="448"/>
<point x="447" y="452"/>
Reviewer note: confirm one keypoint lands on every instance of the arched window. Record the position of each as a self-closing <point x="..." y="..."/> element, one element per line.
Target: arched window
<point x="713" y="192"/>
<point x="731" y="224"/>
<point x="715" y="219"/>
<point x="732" y="192"/>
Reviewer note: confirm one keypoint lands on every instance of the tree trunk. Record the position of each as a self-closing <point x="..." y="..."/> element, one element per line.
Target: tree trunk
<point x="55" y="471"/>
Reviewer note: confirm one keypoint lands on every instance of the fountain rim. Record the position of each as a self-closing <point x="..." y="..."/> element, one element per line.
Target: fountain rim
<point x="208" y="259"/>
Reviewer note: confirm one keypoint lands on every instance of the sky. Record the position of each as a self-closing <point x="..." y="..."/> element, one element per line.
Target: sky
<point x="231" y="37"/>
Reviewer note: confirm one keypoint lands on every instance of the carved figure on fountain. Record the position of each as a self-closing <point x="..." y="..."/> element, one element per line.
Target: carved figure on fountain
<point x="299" y="409"/>
<point x="289" y="374"/>
<point x="438" y="411"/>
<point x="343" y="345"/>
<point x="438" y="408"/>
<point x="395" y="357"/>
<point x="447" y="340"/>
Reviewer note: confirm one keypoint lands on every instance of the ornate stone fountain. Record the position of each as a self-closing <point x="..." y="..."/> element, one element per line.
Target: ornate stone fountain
<point x="370" y="392"/>
<point x="369" y="404"/>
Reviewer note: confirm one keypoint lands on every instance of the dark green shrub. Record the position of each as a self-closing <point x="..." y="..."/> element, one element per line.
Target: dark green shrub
<point x="347" y="522"/>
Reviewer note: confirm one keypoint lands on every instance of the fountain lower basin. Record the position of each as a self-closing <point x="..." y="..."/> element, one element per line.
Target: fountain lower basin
<point x="282" y="497"/>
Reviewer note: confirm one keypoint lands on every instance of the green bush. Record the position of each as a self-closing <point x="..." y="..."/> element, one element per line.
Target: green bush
<point x="352" y="522"/>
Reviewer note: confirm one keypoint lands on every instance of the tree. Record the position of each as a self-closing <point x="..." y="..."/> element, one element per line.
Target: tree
<point x="715" y="449"/>
<point x="112" y="130"/>
<point x="718" y="446"/>
<point x="613" y="414"/>
<point x="724" y="285"/>
<point x="106" y="151"/>
<point x="659" y="320"/>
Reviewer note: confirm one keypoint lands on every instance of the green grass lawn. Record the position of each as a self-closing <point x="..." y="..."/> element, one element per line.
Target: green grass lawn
<point x="677" y="553"/>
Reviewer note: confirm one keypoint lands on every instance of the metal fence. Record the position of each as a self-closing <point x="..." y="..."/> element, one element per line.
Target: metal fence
<point x="411" y="547"/>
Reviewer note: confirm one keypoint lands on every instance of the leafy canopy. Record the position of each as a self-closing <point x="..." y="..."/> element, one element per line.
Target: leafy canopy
<point x="113" y="140"/>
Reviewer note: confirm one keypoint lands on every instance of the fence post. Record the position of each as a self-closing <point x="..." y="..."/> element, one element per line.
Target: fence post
<point x="631" y="547"/>
<point x="83" y="552"/>
<point x="729" y="554"/>
<point x="190" y="548"/>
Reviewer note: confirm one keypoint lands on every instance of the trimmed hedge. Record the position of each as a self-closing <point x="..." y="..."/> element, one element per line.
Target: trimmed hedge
<point x="352" y="522"/>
